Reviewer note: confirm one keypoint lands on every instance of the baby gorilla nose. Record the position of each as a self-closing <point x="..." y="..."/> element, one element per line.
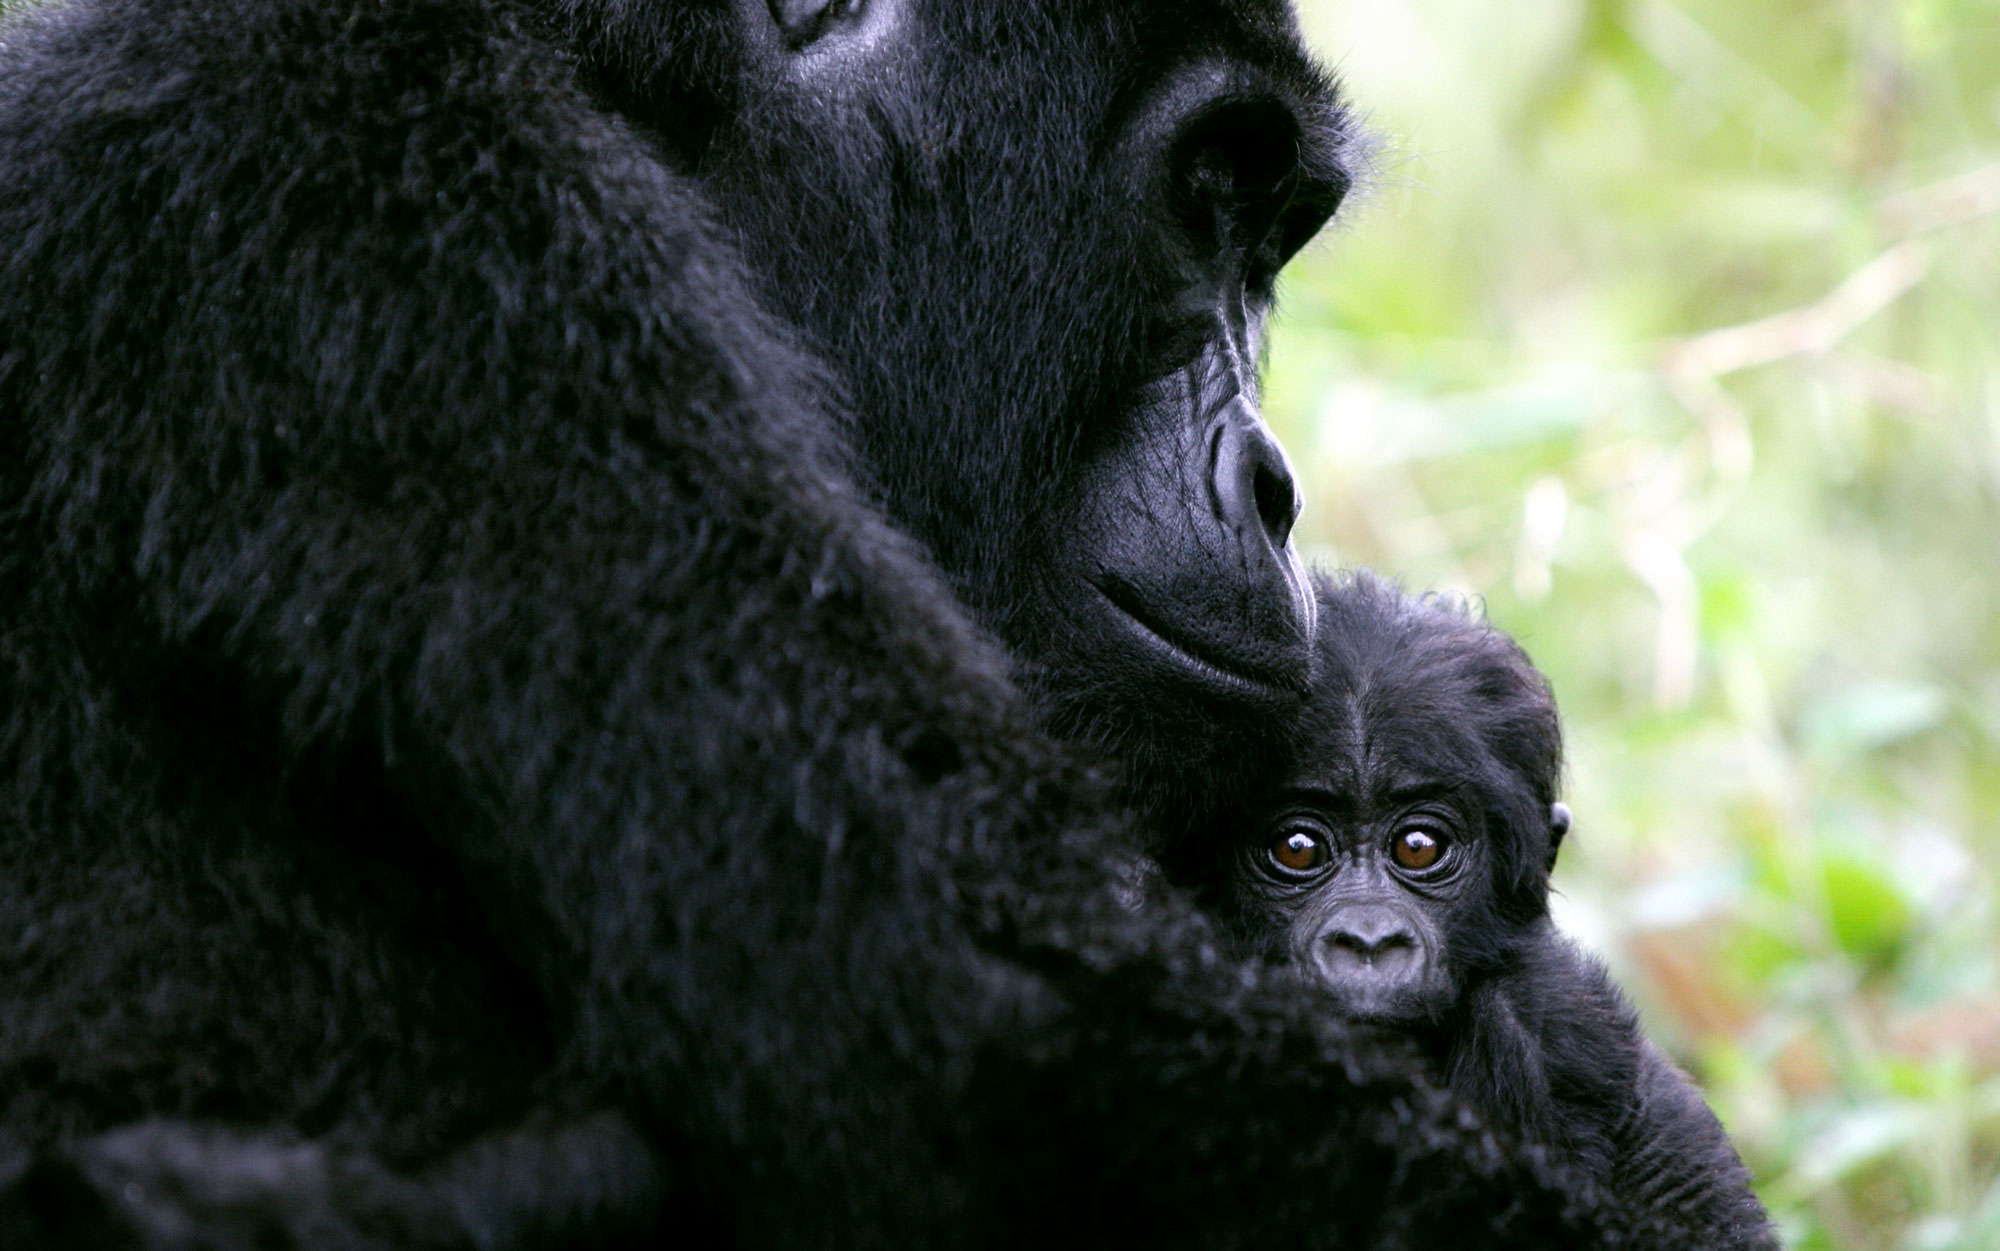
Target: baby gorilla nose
<point x="1368" y="947"/>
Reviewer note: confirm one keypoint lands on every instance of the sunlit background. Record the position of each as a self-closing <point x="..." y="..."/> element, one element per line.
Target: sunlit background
<point x="1672" y="329"/>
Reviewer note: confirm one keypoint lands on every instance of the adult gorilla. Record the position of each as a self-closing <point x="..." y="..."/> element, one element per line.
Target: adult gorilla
<point x="473" y="478"/>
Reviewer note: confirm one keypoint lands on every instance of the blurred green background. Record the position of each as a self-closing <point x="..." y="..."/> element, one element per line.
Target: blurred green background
<point x="1672" y="328"/>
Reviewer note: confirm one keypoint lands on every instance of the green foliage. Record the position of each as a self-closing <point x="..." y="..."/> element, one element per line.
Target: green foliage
<point x="1670" y="328"/>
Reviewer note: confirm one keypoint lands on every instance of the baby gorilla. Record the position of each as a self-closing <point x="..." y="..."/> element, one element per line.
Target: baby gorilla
<point x="1395" y="849"/>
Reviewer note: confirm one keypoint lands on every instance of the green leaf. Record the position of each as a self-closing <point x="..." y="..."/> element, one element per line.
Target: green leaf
<point x="1871" y="715"/>
<point x="1868" y="915"/>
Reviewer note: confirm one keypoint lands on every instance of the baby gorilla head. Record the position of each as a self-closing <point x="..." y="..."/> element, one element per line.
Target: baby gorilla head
<point x="1397" y="847"/>
<point x="1394" y="847"/>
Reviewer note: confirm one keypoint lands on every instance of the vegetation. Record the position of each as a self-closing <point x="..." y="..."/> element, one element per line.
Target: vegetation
<point x="1672" y="327"/>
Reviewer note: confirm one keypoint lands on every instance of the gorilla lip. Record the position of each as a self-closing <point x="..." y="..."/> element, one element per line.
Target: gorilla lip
<point x="1187" y="655"/>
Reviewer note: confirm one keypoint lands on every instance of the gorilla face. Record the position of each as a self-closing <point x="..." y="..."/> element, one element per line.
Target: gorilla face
<point x="1038" y="243"/>
<point x="1358" y="892"/>
<point x="1396" y="849"/>
<point x="1184" y="526"/>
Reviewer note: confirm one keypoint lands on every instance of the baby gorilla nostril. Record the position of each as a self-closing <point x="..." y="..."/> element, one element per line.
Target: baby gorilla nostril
<point x="1374" y="946"/>
<point x="1371" y="961"/>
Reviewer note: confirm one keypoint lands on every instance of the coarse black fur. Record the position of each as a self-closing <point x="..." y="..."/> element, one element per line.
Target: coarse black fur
<point x="494" y="750"/>
<point x="1395" y="853"/>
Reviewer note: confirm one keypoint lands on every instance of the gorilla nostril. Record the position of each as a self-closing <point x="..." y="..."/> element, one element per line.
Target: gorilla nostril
<point x="1371" y="947"/>
<point x="1254" y="488"/>
<point x="1277" y="502"/>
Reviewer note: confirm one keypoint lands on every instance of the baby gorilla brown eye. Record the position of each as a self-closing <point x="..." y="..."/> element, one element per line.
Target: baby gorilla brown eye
<point x="1415" y="849"/>
<point x="1298" y="851"/>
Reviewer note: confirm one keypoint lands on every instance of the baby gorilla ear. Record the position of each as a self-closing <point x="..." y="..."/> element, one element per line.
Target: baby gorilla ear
<point x="1558" y="826"/>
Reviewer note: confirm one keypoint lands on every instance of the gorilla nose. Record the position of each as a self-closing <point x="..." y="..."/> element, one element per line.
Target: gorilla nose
<point x="1254" y="490"/>
<point x="1367" y="940"/>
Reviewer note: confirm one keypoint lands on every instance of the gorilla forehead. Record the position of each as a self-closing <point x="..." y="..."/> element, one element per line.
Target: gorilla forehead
<point x="1418" y="690"/>
<point x="1372" y="739"/>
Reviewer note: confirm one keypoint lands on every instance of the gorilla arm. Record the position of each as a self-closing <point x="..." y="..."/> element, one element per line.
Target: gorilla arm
<point x="586" y="1182"/>
<point x="500" y="480"/>
<point x="1554" y="1049"/>
<point x="1676" y="1161"/>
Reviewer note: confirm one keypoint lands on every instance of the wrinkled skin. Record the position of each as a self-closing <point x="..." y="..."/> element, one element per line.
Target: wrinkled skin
<point x="520" y="527"/>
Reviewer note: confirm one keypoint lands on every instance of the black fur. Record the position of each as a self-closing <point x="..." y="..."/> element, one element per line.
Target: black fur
<point x="1424" y="721"/>
<point x="489" y="498"/>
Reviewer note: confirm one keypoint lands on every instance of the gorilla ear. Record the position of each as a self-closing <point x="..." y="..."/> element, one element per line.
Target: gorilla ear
<point x="802" y="21"/>
<point x="1558" y="826"/>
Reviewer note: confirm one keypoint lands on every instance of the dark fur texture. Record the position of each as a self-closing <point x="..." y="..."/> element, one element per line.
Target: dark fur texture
<point x="489" y="495"/>
<point x="1423" y="717"/>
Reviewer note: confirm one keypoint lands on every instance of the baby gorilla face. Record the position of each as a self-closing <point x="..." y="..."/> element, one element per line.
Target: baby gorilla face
<point x="1356" y="892"/>
<point x="1395" y="845"/>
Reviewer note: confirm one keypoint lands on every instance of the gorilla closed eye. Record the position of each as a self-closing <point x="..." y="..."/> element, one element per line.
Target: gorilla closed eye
<point x="1239" y="151"/>
<point x="1239" y="162"/>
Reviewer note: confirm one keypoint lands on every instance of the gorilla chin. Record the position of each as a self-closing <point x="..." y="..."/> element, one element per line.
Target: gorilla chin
<point x="1151" y="647"/>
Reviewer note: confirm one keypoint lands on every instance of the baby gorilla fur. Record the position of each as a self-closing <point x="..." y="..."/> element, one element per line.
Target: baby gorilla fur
<point x="1395" y="851"/>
